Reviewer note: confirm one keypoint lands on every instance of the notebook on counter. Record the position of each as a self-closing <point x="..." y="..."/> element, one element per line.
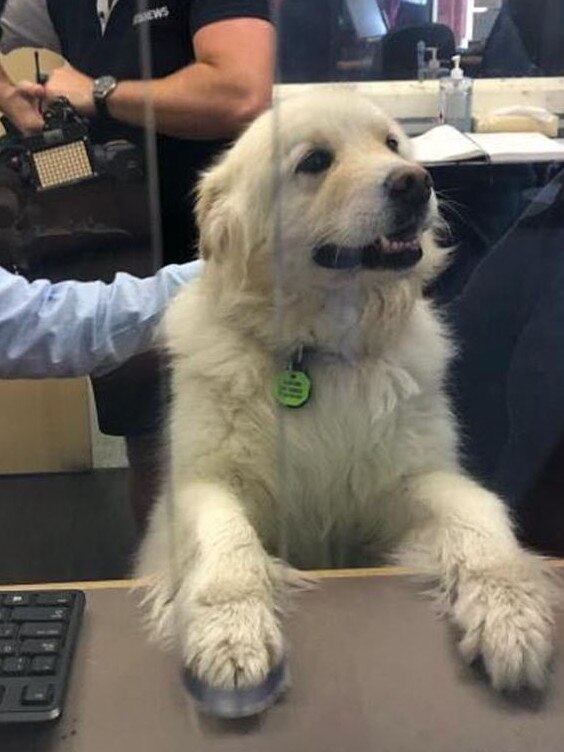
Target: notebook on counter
<point x="446" y="144"/>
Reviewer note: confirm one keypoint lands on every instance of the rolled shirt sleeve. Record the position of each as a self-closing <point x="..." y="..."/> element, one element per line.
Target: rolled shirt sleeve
<point x="76" y="328"/>
<point x="204" y="12"/>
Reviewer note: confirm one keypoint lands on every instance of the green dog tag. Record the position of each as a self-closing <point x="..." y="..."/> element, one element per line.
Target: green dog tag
<point x="292" y="388"/>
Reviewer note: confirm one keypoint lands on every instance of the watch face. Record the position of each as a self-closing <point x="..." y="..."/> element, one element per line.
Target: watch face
<point x="103" y="86"/>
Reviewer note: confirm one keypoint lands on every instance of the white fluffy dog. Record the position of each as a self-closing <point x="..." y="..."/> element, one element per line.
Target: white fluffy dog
<point x="317" y="236"/>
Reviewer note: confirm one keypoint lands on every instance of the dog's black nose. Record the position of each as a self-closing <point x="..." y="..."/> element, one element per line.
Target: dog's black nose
<point x="410" y="184"/>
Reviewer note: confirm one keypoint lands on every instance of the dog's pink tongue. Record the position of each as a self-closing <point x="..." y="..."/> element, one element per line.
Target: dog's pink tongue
<point x="397" y="246"/>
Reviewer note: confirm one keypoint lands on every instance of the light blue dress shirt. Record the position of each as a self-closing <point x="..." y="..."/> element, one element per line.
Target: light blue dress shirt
<point x="74" y="328"/>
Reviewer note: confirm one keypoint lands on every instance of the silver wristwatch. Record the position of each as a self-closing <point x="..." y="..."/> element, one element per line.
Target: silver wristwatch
<point x="101" y="89"/>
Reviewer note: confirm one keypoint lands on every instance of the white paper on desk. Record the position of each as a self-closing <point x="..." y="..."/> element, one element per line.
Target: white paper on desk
<point x="518" y="147"/>
<point x="444" y="144"/>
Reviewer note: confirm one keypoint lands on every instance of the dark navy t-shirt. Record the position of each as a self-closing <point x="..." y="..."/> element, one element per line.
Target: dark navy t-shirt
<point x="113" y="45"/>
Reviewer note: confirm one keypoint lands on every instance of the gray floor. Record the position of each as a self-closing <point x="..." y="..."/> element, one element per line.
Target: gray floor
<point x="65" y="527"/>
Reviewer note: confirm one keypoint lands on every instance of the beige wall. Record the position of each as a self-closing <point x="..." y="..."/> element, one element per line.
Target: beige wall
<point x="45" y="426"/>
<point x="20" y="63"/>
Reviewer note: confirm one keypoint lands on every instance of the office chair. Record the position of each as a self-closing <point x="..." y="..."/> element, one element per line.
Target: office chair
<point x="509" y="322"/>
<point x="398" y="51"/>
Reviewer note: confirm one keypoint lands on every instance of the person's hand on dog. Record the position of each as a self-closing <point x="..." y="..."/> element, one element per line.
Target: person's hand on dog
<point x="67" y="82"/>
<point x="21" y="104"/>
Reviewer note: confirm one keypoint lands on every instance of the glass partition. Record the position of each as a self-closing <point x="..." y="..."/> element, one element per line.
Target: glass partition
<point x="356" y="319"/>
<point x="373" y="40"/>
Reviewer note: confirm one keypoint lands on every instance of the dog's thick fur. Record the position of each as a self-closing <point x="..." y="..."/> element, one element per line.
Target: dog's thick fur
<point x="368" y="468"/>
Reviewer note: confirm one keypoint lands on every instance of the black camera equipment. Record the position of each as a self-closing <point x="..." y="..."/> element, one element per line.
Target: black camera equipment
<point x="62" y="153"/>
<point x="61" y="194"/>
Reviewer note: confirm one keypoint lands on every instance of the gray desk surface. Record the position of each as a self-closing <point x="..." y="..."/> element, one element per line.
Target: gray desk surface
<point x="373" y="670"/>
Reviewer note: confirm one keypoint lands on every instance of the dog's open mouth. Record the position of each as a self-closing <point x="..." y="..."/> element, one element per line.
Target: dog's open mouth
<point x="383" y="253"/>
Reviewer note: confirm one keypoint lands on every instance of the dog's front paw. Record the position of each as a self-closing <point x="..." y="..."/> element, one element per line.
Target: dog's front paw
<point x="506" y="619"/>
<point x="234" y="644"/>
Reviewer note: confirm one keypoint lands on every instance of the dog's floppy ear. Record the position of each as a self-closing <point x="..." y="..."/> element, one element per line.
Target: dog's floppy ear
<point x="207" y="198"/>
<point x="219" y="223"/>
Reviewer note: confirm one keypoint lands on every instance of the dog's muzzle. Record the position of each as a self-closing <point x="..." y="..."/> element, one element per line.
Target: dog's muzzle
<point x="408" y="190"/>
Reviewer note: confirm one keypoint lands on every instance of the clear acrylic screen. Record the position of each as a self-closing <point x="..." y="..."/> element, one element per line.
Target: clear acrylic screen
<point x="226" y="462"/>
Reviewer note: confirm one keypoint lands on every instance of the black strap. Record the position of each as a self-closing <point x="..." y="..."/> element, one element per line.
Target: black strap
<point x="2" y="7"/>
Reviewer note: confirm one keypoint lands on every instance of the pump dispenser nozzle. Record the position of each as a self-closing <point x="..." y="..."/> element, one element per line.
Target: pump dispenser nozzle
<point x="456" y="71"/>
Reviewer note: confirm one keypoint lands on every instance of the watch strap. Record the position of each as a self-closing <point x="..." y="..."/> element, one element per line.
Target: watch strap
<point x="100" y="97"/>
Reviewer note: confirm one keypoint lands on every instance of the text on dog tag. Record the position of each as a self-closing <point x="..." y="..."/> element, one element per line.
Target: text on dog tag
<point x="292" y="388"/>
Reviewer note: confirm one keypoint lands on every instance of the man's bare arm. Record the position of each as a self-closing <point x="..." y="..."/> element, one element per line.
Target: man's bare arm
<point x="228" y="85"/>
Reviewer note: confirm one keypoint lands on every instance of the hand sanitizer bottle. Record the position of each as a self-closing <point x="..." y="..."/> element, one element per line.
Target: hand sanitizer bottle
<point x="427" y="70"/>
<point x="455" y="98"/>
<point x="433" y="66"/>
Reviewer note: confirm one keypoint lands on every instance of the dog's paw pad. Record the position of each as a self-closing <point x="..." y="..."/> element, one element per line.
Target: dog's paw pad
<point x="233" y="645"/>
<point x="511" y="628"/>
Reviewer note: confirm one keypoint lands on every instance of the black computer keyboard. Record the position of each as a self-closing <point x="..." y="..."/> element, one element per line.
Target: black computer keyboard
<point x="38" y="633"/>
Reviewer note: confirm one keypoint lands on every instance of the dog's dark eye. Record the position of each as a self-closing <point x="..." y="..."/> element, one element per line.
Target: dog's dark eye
<point x="392" y="143"/>
<point x="315" y="161"/>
